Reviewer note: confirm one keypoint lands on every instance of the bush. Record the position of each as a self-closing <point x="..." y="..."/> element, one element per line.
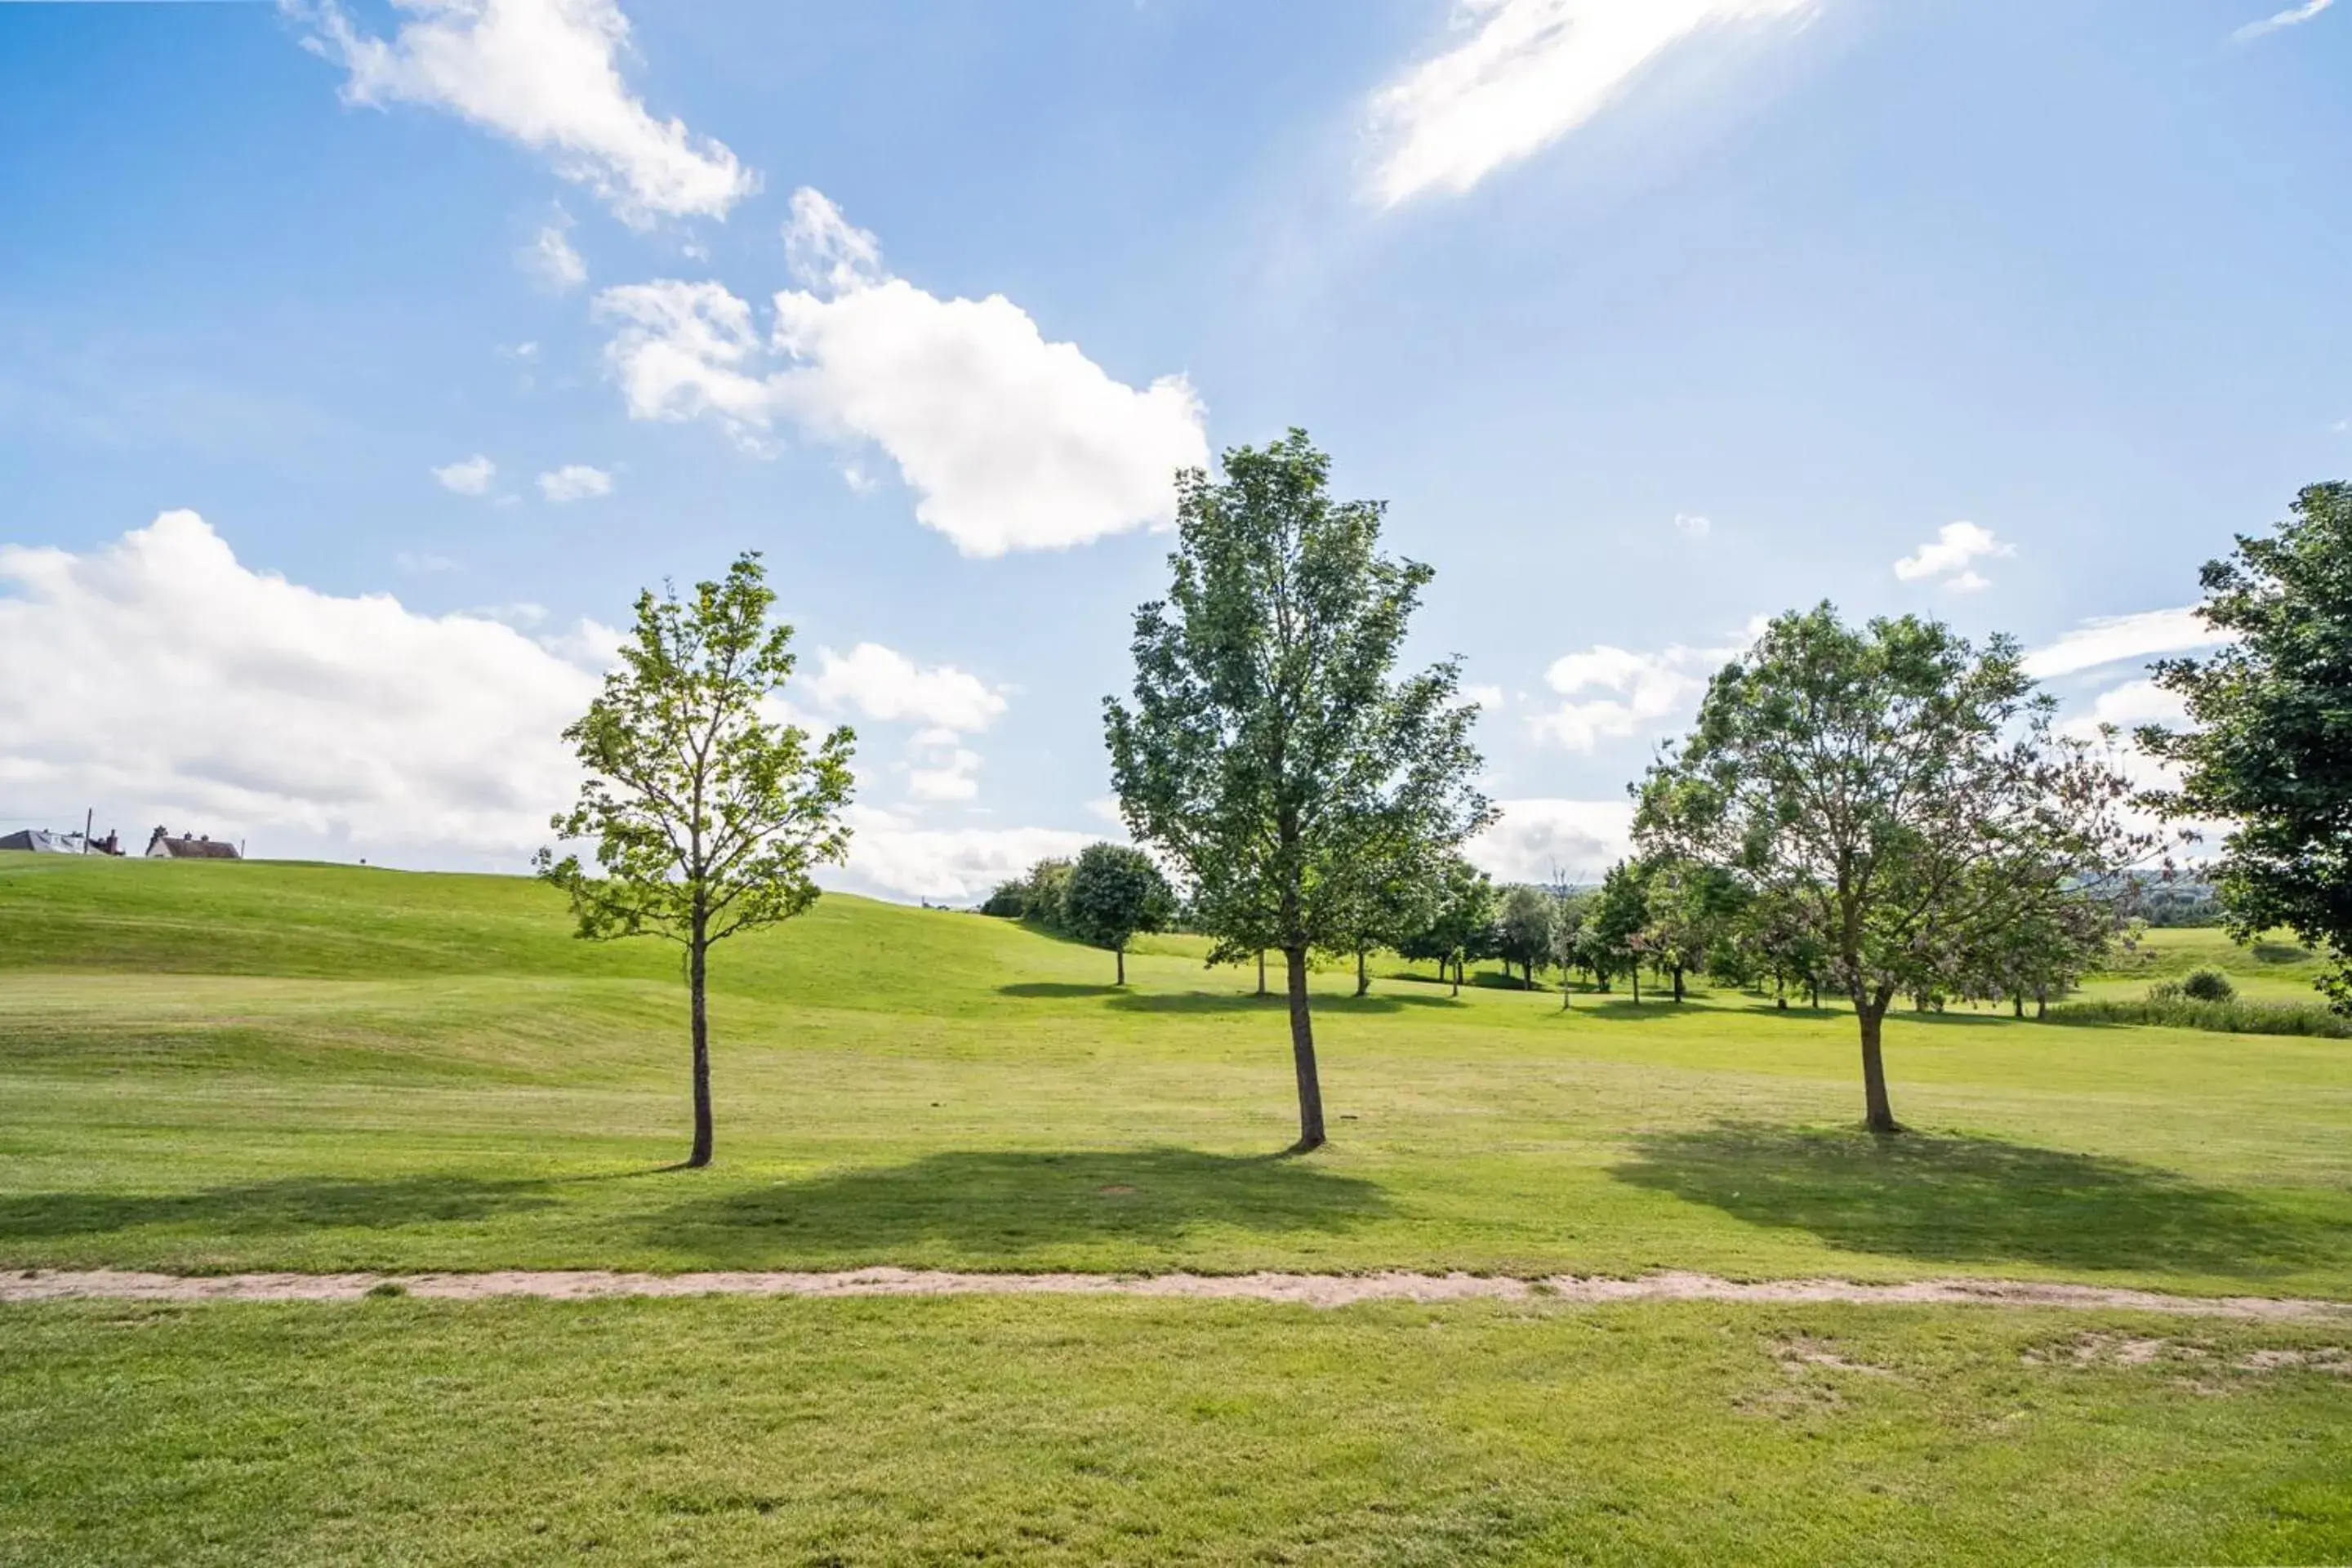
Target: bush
<point x="2166" y="1006"/>
<point x="2207" y="984"/>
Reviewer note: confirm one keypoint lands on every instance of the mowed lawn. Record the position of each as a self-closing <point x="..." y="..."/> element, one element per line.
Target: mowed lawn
<point x="241" y="1066"/>
<point x="252" y="1067"/>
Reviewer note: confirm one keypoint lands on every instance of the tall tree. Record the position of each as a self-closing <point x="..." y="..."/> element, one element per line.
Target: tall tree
<point x="2270" y="746"/>
<point x="1693" y="910"/>
<point x="1899" y="791"/>
<point x="708" y="820"/>
<point x="1270" y="752"/>
<point x="1112" y="893"/>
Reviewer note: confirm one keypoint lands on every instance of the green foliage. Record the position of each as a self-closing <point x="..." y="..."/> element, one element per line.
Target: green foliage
<point x="706" y="819"/>
<point x="2168" y="1006"/>
<point x="2207" y="984"/>
<point x="1896" y="794"/>
<point x="1036" y="896"/>
<point x="1268" y="751"/>
<point x="1614" y="931"/>
<point x="1461" y="917"/>
<point x="1112" y="893"/>
<point x="1270" y="755"/>
<point x="2271" y="749"/>
<point x="1523" y="932"/>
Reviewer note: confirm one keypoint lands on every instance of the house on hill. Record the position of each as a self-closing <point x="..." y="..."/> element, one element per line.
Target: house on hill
<point x="41" y="841"/>
<point x="164" y="847"/>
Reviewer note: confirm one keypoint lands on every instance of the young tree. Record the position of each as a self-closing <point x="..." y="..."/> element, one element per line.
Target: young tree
<point x="1523" y="934"/>
<point x="2271" y="749"/>
<point x="708" y="820"/>
<point x="1570" y="908"/>
<point x="1693" y="909"/>
<point x="1613" y="929"/>
<point x="1901" y="791"/>
<point x="1112" y="893"/>
<point x="1269" y="752"/>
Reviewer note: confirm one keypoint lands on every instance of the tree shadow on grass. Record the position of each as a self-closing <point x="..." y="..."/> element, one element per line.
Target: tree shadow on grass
<point x="1974" y="1200"/>
<point x="268" y="1208"/>
<point x="1197" y="1002"/>
<point x="1014" y="1202"/>
<point x="1049" y="990"/>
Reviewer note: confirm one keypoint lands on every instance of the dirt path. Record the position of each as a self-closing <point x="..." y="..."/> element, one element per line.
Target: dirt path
<point x="1305" y="1289"/>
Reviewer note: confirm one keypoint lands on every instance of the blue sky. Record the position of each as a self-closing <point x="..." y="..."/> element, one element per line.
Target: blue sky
<point x="1646" y="316"/>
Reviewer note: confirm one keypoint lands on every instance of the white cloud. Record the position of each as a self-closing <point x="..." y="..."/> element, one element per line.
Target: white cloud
<point x="885" y="685"/>
<point x="1529" y="72"/>
<point x="1009" y="441"/>
<point x="574" y="481"/>
<point x="948" y="774"/>
<point x="551" y="258"/>
<point x="469" y="478"/>
<point x="1645" y="692"/>
<point x="1952" y="555"/>
<point x="180" y="687"/>
<point x="1692" y="525"/>
<point x="546" y="73"/>
<point x="891" y="854"/>
<point x="2294" y="16"/>
<point x="2116" y="639"/>
<point x="1536" y="839"/>
<point x="1487" y="697"/>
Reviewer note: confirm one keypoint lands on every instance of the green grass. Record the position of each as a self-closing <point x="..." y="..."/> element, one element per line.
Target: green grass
<point x="2274" y="969"/>
<point x="208" y="1068"/>
<point x="1083" y="1432"/>
<point x="211" y="1067"/>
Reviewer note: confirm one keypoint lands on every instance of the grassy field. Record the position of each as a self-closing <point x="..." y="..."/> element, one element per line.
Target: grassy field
<point x="208" y="1068"/>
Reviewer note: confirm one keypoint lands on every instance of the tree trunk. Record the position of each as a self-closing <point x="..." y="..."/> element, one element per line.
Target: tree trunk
<point x="1877" y="1114"/>
<point x="1260" y="971"/>
<point x="2018" y="1003"/>
<point x="1678" y="984"/>
<point x="1779" y="991"/>
<point x="1637" y="985"/>
<point x="697" y="953"/>
<point x="2042" y="1004"/>
<point x="1122" y="963"/>
<point x="1458" y="975"/>
<point x="1302" y="1053"/>
<point x="1363" y="975"/>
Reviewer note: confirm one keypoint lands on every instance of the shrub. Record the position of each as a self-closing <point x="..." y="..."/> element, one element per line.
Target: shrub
<point x="2207" y="984"/>
<point x="2235" y="1016"/>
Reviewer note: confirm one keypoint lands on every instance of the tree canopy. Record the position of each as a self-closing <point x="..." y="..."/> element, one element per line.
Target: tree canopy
<point x="1270" y="753"/>
<point x="1898" y="795"/>
<point x="1112" y="893"/>
<point x="706" y="819"/>
<point x="2270" y="748"/>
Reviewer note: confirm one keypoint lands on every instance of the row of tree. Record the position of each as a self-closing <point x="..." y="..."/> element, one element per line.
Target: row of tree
<point x="1875" y="811"/>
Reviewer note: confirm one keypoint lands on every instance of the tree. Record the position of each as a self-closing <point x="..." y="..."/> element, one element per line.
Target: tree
<point x="1903" y="793"/>
<point x="2270" y="746"/>
<point x="707" y="818"/>
<point x="1269" y="754"/>
<point x="1692" y="910"/>
<point x="1570" y="908"/>
<point x="1464" y="907"/>
<point x="1112" y="893"/>
<point x="1523" y="933"/>
<point x="1612" y="930"/>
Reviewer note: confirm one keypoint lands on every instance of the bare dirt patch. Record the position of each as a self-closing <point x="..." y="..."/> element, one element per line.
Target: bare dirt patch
<point x="1325" y="1290"/>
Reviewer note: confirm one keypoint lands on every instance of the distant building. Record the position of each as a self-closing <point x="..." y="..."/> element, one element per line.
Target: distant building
<point x="164" y="847"/>
<point x="41" y="841"/>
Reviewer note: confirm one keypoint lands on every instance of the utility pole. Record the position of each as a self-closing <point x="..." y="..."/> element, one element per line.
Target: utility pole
<point x="88" y="820"/>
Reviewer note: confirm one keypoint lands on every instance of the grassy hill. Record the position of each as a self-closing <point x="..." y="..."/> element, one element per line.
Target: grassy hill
<point x="262" y="1066"/>
<point x="289" y="1065"/>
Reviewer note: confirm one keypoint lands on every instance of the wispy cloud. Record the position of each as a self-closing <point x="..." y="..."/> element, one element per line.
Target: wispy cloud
<point x="2119" y="639"/>
<point x="2292" y="17"/>
<point x="1529" y="72"/>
